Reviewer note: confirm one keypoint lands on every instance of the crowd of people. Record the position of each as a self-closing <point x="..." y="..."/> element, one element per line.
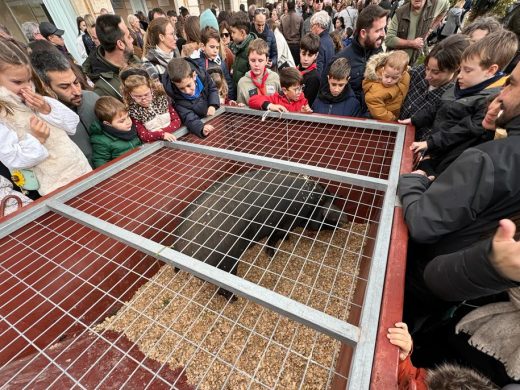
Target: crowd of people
<point x="418" y="62"/>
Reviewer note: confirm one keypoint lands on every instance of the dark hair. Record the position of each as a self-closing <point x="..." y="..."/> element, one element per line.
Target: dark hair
<point x="192" y="29"/>
<point x="107" y="107"/>
<point x="488" y="23"/>
<point x="79" y="19"/>
<point x="290" y="77"/>
<point x="171" y="13"/>
<point x="448" y="52"/>
<point x="242" y="8"/>
<point x="224" y="25"/>
<point x="368" y="16"/>
<point x="209" y="33"/>
<point x="310" y="43"/>
<point x="184" y="11"/>
<point x="291" y="5"/>
<point x="156" y="10"/>
<point x="340" y="69"/>
<point x="240" y="21"/>
<point x="340" y="18"/>
<point x="179" y="69"/>
<point x="45" y="57"/>
<point x="496" y="48"/>
<point x="223" y="16"/>
<point x="108" y="31"/>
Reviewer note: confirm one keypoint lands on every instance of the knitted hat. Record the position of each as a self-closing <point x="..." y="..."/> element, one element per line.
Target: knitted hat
<point x="208" y="19"/>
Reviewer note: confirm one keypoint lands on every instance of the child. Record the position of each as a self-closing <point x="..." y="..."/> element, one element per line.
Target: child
<point x="194" y="93"/>
<point x="386" y="84"/>
<point x="457" y="124"/>
<point x="347" y="38"/>
<point x="239" y="27"/>
<point x="309" y="47"/>
<point x="114" y="134"/>
<point x="154" y="117"/>
<point x="440" y="378"/>
<point x="209" y="58"/>
<point x="336" y="97"/>
<point x="34" y="129"/>
<point x="259" y="80"/>
<point x="291" y="99"/>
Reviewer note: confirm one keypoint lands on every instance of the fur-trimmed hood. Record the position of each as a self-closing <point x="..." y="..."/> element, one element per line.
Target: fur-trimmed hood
<point x="373" y="63"/>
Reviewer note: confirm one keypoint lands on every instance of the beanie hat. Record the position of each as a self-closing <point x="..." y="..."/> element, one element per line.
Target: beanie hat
<point x="207" y="18"/>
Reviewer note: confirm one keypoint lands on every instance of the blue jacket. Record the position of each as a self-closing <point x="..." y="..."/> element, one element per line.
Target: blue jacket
<point x="206" y="64"/>
<point x="268" y="36"/>
<point x="326" y="51"/>
<point x="345" y="104"/>
<point x="191" y="111"/>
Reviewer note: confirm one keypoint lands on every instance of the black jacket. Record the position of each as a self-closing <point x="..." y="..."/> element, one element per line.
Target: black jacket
<point x="357" y="57"/>
<point x="191" y="111"/>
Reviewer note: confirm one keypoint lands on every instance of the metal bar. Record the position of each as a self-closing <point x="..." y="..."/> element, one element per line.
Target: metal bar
<point x="364" y="352"/>
<point x="324" y="173"/>
<point x="313" y="318"/>
<point x="29" y="214"/>
<point x="318" y="118"/>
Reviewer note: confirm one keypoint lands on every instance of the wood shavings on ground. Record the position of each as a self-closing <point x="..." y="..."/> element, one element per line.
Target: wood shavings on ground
<point x="178" y="319"/>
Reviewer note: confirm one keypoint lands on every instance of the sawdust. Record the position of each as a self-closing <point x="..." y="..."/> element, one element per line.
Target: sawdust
<point x="178" y="319"/>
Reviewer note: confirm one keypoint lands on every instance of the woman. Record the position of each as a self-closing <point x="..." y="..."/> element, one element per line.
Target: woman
<point x="137" y="33"/>
<point x="87" y="39"/>
<point x="225" y="40"/>
<point x="430" y="80"/>
<point x="285" y="57"/>
<point x="339" y="25"/>
<point x="160" y="45"/>
<point x="82" y="28"/>
<point x="192" y="30"/>
<point x="349" y="14"/>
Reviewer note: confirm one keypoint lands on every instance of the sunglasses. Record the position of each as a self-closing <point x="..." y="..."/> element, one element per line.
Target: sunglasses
<point x="260" y="11"/>
<point x="224" y="35"/>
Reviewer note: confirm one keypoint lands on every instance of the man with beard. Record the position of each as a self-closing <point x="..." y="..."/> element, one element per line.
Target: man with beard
<point x="457" y="210"/>
<point x="368" y="38"/>
<point x="261" y="30"/>
<point x="114" y="53"/>
<point x="56" y="72"/>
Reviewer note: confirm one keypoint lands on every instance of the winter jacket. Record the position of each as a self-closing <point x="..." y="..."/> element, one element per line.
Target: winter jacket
<point x="246" y="87"/>
<point x="268" y="36"/>
<point x="357" y="57"/>
<point x="105" y="75"/>
<point x="204" y="63"/>
<point x="192" y="111"/>
<point x="468" y="199"/>
<point x="261" y="102"/>
<point x="310" y="82"/>
<point x="291" y="25"/>
<point x="384" y="103"/>
<point x="241" y="63"/>
<point x="345" y="104"/>
<point x="87" y="116"/>
<point x="410" y="377"/>
<point x="326" y="51"/>
<point x="106" y="147"/>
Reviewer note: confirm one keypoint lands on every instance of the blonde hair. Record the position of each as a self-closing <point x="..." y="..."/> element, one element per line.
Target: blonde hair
<point x="221" y="83"/>
<point x="259" y="46"/>
<point x="397" y="59"/>
<point x="134" y="81"/>
<point x="90" y="21"/>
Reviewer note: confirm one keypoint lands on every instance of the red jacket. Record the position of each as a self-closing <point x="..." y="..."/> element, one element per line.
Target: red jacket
<point x="410" y="377"/>
<point x="260" y="102"/>
<point x="150" y="136"/>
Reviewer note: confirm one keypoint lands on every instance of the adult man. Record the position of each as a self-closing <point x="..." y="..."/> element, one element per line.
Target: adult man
<point x="115" y="52"/>
<point x="54" y="35"/>
<point x="291" y="25"/>
<point x="463" y="205"/>
<point x="261" y="30"/>
<point x="368" y="38"/>
<point x="156" y="13"/>
<point x="56" y="73"/>
<point x="319" y="24"/>
<point x="31" y="31"/>
<point x="411" y="25"/>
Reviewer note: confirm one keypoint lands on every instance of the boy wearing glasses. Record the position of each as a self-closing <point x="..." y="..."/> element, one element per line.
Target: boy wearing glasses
<point x="291" y="99"/>
<point x="239" y="28"/>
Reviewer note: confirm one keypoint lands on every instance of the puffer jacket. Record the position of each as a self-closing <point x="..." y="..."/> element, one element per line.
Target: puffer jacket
<point x="384" y="103"/>
<point x="241" y="63"/>
<point x="106" y="147"/>
<point x="204" y="63"/>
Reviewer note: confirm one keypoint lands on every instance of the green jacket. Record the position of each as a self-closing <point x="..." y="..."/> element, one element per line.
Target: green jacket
<point x="106" y="147"/>
<point x="241" y="63"/>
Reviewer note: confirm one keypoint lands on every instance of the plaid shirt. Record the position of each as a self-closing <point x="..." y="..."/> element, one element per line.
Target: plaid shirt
<point x="419" y="97"/>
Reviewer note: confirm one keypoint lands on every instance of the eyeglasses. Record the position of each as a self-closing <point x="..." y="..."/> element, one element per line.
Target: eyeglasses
<point x="140" y="98"/>
<point x="224" y="35"/>
<point x="296" y="89"/>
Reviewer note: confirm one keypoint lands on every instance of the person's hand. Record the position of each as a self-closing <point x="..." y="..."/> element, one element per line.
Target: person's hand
<point x="505" y="253"/>
<point x="417" y="43"/>
<point x="207" y="130"/>
<point x="421" y="172"/>
<point x="169" y="137"/>
<point x="211" y="111"/>
<point x="417" y="147"/>
<point x="276" y="108"/>
<point x="35" y="101"/>
<point x="407" y="121"/>
<point x="306" y="109"/>
<point x="400" y="337"/>
<point x="39" y="129"/>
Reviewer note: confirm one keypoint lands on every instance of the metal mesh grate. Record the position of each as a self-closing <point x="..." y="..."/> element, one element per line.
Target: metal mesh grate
<point x="86" y="303"/>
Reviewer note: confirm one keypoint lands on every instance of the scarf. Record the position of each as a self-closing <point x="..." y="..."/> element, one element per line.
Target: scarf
<point x="162" y="57"/>
<point x="260" y="85"/>
<point x="303" y="72"/>
<point x="159" y="105"/>
<point x="199" y="87"/>
<point x="124" y="135"/>
<point x="460" y="93"/>
<point x="325" y="95"/>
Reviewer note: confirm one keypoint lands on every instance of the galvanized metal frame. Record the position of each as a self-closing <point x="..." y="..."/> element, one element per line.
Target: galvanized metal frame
<point x="362" y="337"/>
